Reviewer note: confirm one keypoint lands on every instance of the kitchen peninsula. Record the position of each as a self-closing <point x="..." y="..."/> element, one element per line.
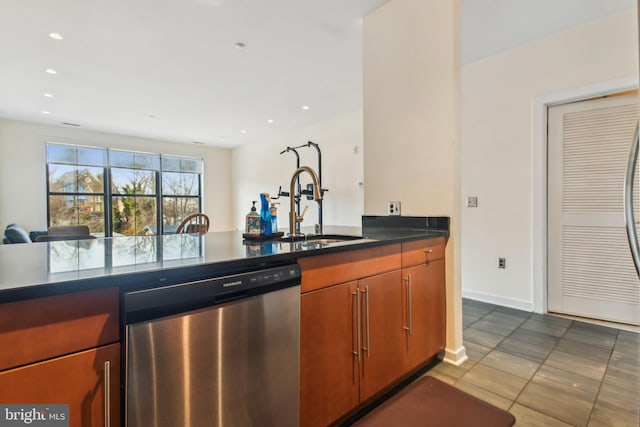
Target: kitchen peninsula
<point x="61" y="311"/>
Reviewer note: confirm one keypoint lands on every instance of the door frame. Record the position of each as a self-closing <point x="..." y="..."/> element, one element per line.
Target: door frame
<point x="540" y="104"/>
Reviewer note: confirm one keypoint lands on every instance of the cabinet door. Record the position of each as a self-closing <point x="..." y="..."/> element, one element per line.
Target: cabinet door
<point x="43" y="328"/>
<point x="424" y="292"/>
<point x="382" y="333"/>
<point x="328" y="365"/>
<point x="77" y="380"/>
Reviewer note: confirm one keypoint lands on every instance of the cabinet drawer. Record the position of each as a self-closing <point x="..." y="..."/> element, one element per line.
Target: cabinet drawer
<point x="422" y="251"/>
<point x="77" y="380"/>
<point x="47" y="327"/>
<point x="331" y="269"/>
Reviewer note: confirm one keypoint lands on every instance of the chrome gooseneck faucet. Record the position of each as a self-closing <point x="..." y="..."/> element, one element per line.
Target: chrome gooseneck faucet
<point x="294" y="218"/>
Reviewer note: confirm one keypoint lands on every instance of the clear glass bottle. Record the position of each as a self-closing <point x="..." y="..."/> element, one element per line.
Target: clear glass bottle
<point x="273" y="211"/>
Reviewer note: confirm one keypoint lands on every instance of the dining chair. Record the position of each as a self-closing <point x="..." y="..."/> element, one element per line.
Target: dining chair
<point x="194" y="223"/>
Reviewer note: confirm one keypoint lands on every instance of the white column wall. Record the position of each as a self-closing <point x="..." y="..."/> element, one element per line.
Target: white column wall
<point x="411" y="124"/>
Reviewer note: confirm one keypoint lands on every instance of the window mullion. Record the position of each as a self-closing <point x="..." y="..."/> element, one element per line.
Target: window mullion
<point x="108" y="220"/>
<point x="159" y="207"/>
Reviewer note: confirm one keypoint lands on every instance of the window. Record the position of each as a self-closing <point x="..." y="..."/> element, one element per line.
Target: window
<point x="75" y="180"/>
<point x="134" y="208"/>
<point x="180" y="190"/>
<point x="118" y="192"/>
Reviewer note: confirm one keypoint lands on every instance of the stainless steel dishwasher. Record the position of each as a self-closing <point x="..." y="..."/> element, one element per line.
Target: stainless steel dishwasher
<point x="218" y="352"/>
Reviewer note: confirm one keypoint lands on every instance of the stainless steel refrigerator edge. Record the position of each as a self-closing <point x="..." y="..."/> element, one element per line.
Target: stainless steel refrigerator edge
<point x="629" y="218"/>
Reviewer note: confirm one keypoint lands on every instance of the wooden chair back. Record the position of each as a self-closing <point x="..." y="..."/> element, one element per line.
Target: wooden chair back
<point x="194" y="223"/>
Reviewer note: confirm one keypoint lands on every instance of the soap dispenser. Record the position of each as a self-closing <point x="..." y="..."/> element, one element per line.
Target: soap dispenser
<point x="265" y="215"/>
<point x="253" y="221"/>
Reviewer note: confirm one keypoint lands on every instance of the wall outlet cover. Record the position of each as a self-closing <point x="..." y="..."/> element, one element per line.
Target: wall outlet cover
<point x="472" y="201"/>
<point x="394" y="208"/>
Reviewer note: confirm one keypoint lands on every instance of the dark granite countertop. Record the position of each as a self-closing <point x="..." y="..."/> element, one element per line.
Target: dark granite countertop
<point x="40" y="269"/>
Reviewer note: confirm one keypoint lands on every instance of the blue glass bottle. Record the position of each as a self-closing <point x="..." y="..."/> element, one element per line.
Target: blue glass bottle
<point x="265" y="216"/>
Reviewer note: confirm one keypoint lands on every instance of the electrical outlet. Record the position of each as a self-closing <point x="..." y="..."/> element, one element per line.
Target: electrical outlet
<point x="472" y="201"/>
<point x="394" y="208"/>
<point x="502" y="263"/>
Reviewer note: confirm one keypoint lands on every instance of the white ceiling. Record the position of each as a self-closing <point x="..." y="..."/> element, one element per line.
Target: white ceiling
<point x="169" y="69"/>
<point x="122" y="61"/>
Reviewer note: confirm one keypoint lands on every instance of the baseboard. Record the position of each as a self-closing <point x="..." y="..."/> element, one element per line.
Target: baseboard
<point x="499" y="300"/>
<point x="455" y="357"/>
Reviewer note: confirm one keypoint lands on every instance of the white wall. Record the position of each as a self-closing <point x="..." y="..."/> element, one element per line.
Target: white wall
<point x="411" y="123"/>
<point x="497" y="96"/>
<point x="260" y="167"/>
<point x="23" y="173"/>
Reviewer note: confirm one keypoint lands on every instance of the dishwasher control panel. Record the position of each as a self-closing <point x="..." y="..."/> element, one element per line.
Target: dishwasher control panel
<point x="143" y="304"/>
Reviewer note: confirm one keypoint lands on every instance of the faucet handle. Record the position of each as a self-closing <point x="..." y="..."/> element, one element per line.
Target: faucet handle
<point x="300" y="217"/>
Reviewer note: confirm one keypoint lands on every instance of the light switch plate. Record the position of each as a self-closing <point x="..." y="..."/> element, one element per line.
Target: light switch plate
<point x="472" y="201"/>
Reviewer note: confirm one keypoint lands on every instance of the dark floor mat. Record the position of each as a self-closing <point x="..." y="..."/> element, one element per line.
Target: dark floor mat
<point x="430" y="402"/>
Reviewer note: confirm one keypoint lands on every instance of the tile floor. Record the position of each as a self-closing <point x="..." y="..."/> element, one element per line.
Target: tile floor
<point x="548" y="370"/>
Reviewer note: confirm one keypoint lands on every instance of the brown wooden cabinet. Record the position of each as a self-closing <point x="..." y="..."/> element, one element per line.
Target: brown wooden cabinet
<point x="329" y="373"/>
<point x="381" y="360"/>
<point x="423" y="276"/>
<point x="62" y="348"/>
<point x="424" y="291"/>
<point x="368" y="318"/>
<point x="79" y="380"/>
<point x="349" y="347"/>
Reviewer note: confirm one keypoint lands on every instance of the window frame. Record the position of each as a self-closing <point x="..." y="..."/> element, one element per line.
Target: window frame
<point x="108" y="194"/>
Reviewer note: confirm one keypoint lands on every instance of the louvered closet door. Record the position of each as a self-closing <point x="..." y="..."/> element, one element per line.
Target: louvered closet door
<point x="591" y="272"/>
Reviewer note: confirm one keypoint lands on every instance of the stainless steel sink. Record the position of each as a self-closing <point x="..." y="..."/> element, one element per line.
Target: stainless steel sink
<point x="321" y="239"/>
<point x="330" y="238"/>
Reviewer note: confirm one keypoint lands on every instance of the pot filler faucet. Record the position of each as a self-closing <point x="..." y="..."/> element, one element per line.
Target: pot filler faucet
<point x="294" y="218"/>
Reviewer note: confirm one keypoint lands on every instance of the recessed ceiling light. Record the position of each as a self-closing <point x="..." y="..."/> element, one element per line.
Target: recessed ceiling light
<point x="305" y="107"/>
<point x="243" y="131"/>
<point x="56" y="36"/>
<point x="240" y="45"/>
<point x="47" y="95"/>
<point x="270" y="121"/>
<point x="50" y="71"/>
<point x="45" y="112"/>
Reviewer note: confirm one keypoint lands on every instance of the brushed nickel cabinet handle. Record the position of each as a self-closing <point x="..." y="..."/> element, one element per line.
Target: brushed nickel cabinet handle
<point x="366" y="298"/>
<point x="410" y="304"/>
<point x="406" y="279"/>
<point x="359" y="324"/>
<point x="107" y="394"/>
<point x="354" y="351"/>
